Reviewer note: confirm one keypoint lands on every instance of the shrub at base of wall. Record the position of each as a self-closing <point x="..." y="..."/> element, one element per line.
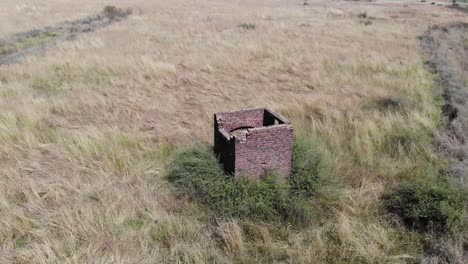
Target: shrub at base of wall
<point x="195" y="172"/>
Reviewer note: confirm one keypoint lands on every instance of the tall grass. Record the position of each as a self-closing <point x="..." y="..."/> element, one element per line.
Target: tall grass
<point x="87" y="129"/>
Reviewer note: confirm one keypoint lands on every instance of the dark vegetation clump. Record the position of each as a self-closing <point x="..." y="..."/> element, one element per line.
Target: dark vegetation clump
<point x="429" y="206"/>
<point x="112" y="12"/>
<point x="391" y="103"/>
<point x="247" y="26"/>
<point x="196" y="173"/>
<point x="309" y="168"/>
<point x="364" y="18"/>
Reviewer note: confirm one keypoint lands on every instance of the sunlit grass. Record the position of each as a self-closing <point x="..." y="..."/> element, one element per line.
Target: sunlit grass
<point x="87" y="130"/>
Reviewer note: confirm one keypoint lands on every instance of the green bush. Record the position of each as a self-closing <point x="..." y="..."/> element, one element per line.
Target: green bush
<point x="195" y="172"/>
<point x="192" y="168"/>
<point x="428" y="206"/>
<point x="112" y="12"/>
<point x="310" y="166"/>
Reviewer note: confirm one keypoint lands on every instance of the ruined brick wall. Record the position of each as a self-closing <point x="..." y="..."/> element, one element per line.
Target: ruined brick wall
<point x="224" y="148"/>
<point x="266" y="145"/>
<point x="265" y="149"/>
<point x="244" y="118"/>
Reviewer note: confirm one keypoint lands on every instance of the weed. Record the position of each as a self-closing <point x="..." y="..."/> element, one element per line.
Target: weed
<point x="21" y="128"/>
<point x="111" y="148"/>
<point x="112" y="12"/>
<point x="137" y="222"/>
<point x="40" y="83"/>
<point x="443" y="249"/>
<point x="32" y="41"/>
<point x="247" y="26"/>
<point x="46" y="86"/>
<point x="309" y="167"/>
<point x="191" y="167"/>
<point x="21" y="242"/>
<point x="232" y="237"/>
<point x="428" y="206"/>
<point x="170" y="230"/>
<point x="8" y="93"/>
<point x="197" y="173"/>
<point x="401" y="142"/>
<point x="6" y="49"/>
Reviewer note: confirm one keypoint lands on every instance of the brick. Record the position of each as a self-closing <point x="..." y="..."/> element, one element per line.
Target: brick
<point x="253" y="141"/>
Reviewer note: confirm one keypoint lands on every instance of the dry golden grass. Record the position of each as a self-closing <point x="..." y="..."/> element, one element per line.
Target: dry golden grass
<point x="86" y="129"/>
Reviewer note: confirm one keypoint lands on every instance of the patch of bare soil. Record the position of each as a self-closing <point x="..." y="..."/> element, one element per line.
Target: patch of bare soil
<point x="37" y="41"/>
<point x="448" y="49"/>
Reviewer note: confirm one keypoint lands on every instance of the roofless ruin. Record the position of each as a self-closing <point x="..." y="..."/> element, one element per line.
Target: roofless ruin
<point x="253" y="142"/>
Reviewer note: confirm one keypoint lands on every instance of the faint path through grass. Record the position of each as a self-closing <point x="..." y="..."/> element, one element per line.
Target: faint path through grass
<point x="38" y="40"/>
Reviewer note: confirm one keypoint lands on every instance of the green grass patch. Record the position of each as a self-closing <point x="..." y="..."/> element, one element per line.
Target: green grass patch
<point x="403" y="142"/>
<point x="21" y="242"/>
<point x="21" y="128"/>
<point x="411" y="150"/>
<point x="196" y="172"/>
<point x="8" y="93"/>
<point x="171" y="230"/>
<point x="310" y="167"/>
<point x="122" y="153"/>
<point x="6" y="49"/>
<point x="61" y="78"/>
<point x="29" y="41"/>
<point x="47" y="86"/>
<point x="36" y="40"/>
<point x="137" y="222"/>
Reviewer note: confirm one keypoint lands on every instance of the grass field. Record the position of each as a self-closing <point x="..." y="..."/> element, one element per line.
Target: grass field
<point x="87" y="129"/>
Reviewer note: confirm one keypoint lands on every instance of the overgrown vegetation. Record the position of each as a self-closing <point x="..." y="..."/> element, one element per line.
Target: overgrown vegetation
<point x="310" y="166"/>
<point x="197" y="173"/>
<point x="85" y="135"/>
<point x="429" y="206"/>
<point x="112" y="12"/>
<point x="30" y="40"/>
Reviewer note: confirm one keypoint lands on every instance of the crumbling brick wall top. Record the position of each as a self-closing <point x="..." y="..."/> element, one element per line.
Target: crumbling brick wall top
<point x="252" y="142"/>
<point x="247" y="119"/>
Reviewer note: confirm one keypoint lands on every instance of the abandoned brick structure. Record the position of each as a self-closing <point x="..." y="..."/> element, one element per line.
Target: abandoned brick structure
<point x="253" y="142"/>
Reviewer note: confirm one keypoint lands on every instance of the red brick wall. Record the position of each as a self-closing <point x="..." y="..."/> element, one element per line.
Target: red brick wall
<point x="244" y="118"/>
<point x="265" y="149"/>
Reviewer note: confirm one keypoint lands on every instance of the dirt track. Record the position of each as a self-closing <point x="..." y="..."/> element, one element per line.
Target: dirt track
<point x="38" y="40"/>
<point x="448" y="48"/>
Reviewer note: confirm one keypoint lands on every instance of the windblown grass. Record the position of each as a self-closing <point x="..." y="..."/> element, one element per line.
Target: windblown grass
<point x="87" y="129"/>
